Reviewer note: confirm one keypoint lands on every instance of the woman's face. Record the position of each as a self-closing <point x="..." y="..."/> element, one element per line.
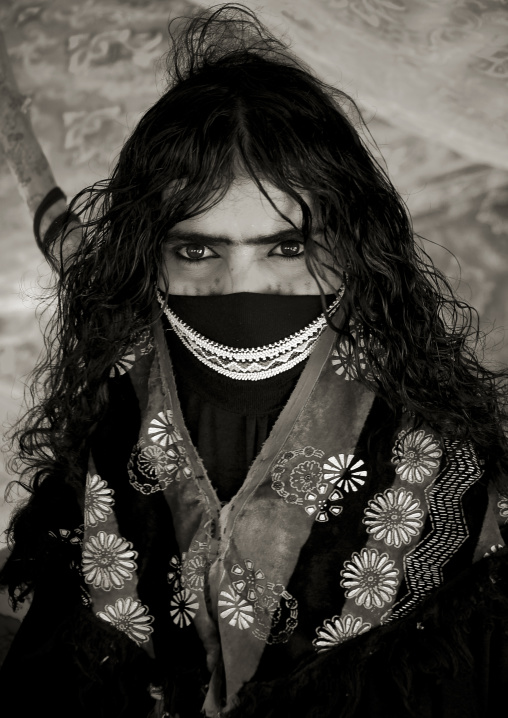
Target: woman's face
<point x="242" y="245"/>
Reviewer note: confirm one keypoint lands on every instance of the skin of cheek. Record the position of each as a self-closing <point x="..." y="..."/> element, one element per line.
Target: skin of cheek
<point x="302" y="283"/>
<point x="242" y="213"/>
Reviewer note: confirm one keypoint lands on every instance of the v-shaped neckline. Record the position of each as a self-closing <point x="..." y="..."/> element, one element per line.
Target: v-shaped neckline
<point x="276" y="438"/>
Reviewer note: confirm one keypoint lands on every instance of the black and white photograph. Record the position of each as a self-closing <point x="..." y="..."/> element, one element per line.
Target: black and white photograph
<point x="253" y="359"/>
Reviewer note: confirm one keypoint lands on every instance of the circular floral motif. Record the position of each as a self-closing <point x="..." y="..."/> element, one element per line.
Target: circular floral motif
<point x="344" y="471"/>
<point x="175" y="459"/>
<point x="152" y="461"/>
<point x="276" y="615"/>
<point x="249" y="580"/>
<point x="266" y="608"/>
<point x="174" y="575"/>
<point x="108" y="561"/>
<point x="123" y="365"/>
<point x="194" y="571"/>
<point x="130" y="617"/>
<point x="151" y="468"/>
<point x="343" y="360"/>
<point x="275" y="611"/>
<point x="394" y="517"/>
<point x="502" y="505"/>
<point x="337" y="630"/>
<point x="300" y="476"/>
<point x="415" y="455"/>
<point x="237" y="609"/>
<point x="162" y="431"/>
<point x="322" y="501"/>
<point x="98" y="500"/>
<point x="305" y="476"/>
<point x="371" y="579"/>
<point x="184" y="606"/>
<point x="346" y="360"/>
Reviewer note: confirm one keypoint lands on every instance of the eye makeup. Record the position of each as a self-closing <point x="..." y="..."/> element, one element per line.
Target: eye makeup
<point x="176" y="252"/>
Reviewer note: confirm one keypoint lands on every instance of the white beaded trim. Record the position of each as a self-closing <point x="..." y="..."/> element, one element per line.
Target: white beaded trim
<point x="250" y="364"/>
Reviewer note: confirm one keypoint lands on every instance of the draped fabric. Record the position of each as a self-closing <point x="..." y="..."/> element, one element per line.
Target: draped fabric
<point x="432" y="77"/>
<point x="348" y="520"/>
<point x="230" y="419"/>
<point x="438" y="69"/>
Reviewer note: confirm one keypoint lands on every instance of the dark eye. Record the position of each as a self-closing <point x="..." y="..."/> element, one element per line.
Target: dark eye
<point x="194" y="251"/>
<point x="290" y="248"/>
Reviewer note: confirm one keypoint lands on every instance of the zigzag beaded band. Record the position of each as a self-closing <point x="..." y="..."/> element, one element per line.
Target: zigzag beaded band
<point x="250" y="364"/>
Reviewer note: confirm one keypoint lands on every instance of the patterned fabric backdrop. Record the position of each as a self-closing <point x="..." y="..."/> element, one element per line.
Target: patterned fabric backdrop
<point x="430" y="75"/>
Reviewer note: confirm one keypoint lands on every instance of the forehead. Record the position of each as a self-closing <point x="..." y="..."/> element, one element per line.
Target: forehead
<point x="244" y="212"/>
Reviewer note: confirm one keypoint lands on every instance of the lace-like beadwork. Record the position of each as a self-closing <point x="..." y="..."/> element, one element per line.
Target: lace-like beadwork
<point x="250" y="364"/>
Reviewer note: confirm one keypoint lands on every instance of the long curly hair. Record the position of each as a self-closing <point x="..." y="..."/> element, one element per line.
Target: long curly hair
<point x="239" y="103"/>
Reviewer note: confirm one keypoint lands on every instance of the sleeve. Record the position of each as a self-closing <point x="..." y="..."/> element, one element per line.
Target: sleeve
<point x="64" y="662"/>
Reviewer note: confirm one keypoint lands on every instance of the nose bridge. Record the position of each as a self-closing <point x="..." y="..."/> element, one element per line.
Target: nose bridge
<point x="243" y="273"/>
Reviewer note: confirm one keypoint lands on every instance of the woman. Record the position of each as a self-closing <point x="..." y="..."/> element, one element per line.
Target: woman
<point x="265" y="470"/>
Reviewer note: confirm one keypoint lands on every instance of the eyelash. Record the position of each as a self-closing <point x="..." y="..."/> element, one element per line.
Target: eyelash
<point x="186" y="260"/>
<point x="289" y="259"/>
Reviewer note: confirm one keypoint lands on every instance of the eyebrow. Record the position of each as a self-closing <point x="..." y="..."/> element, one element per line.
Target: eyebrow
<point x="179" y="235"/>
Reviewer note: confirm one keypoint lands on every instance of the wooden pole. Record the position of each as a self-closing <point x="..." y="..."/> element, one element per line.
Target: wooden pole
<point x="22" y="150"/>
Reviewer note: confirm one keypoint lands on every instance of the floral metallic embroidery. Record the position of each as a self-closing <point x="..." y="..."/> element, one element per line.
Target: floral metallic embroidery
<point x="130" y="617"/>
<point x="502" y="505"/>
<point x="344" y="471"/>
<point x="415" y="455"/>
<point x="370" y="578"/>
<point x="141" y="344"/>
<point x="276" y="614"/>
<point x="162" y="430"/>
<point x="98" y="500"/>
<point x="323" y="501"/>
<point x="237" y="610"/>
<point x="152" y="461"/>
<point x="275" y="609"/>
<point x="194" y="571"/>
<point x="108" y="561"/>
<point x="394" y="517"/>
<point x="123" y="365"/>
<point x="321" y="498"/>
<point x="337" y="630"/>
<point x="174" y="574"/>
<point x="346" y="361"/>
<point x="424" y="563"/>
<point x="250" y="581"/>
<point x="305" y="476"/>
<point x="343" y="360"/>
<point x="183" y="608"/>
<point x="152" y="468"/>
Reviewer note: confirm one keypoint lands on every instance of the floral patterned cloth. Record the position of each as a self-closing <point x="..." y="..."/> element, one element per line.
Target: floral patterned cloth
<point x="348" y="518"/>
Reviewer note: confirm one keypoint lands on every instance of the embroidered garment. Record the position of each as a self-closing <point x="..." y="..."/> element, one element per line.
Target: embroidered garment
<point x="359" y="571"/>
<point x="348" y="519"/>
<point x="228" y="419"/>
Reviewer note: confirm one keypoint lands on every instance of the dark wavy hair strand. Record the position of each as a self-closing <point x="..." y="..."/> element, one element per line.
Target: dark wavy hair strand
<point x="240" y="105"/>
